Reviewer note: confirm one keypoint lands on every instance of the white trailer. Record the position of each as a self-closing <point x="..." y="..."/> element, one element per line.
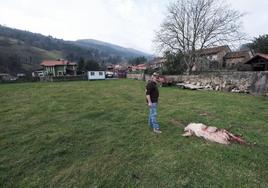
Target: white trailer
<point x="96" y="75"/>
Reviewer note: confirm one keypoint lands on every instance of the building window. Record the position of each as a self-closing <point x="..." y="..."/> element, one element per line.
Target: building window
<point x="92" y="73"/>
<point x="214" y="57"/>
<point x="101" y="73"/>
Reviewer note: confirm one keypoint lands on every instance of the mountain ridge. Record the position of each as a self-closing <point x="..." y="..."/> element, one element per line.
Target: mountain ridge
<point x="23" y="51"/>
<point x="98" y="43"/>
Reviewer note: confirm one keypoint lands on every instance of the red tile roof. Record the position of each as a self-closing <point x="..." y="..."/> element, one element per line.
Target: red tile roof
<point x="52" y="63"/>
<point x="140" y="67"/>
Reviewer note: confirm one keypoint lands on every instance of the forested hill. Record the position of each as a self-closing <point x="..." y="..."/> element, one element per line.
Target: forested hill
<point x="22" y="51"/>
<point x="109" y="48"/>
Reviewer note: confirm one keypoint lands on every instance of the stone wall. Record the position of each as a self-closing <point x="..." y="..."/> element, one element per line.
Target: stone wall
<point x="245" y="82"/>
<point x="260" y="84"/>
<point x="140" y="76"/>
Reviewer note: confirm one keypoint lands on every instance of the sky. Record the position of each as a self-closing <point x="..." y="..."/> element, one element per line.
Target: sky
<point x="129" y="23"/>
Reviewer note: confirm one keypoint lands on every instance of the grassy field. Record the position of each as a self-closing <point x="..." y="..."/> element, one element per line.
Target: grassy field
<point x="95" y="134"/>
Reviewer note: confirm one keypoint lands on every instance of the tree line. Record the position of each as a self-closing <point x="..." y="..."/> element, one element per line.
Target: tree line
<point x="87" y="65"/>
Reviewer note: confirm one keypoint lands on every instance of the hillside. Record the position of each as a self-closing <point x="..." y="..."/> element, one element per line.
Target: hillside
<point x="23" y="51"/>
<point x="110" y="48"/>
<point x="16" y="56"/>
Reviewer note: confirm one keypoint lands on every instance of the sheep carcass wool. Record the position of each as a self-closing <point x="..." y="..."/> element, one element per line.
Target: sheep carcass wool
<point x="211" y="133"/>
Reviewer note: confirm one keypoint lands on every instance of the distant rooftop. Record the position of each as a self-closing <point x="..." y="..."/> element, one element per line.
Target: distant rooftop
<point x="259" y="55"/>
<point x="214" y="50"/>
<point x="239" y="54"/>
<point x="52" y="63"/>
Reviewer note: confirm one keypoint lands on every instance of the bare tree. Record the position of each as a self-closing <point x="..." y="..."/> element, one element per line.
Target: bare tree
<point x="192" y="25"/>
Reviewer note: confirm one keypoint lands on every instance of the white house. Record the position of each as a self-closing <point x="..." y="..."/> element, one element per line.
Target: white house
<point x="96" y="75"/>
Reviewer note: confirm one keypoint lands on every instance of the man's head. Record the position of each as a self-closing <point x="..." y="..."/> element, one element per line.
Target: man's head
<point x="155" y="76"/>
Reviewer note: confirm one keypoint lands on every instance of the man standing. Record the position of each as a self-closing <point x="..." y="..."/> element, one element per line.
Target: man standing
<point x="152" y="95"/>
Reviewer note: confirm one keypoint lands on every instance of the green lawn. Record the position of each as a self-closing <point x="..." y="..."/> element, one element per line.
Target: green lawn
<point x="95" y="134"/>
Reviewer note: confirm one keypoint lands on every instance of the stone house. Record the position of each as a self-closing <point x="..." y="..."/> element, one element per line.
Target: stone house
<point x="120" y="71"/>
<point x="259" y="62"/>
<point x="232" y="60"/>
<point x="140" y="67"/>
<point x="210" y="58"/>
<point x="215" y="54"/>
<point x="157" y="63"/>
<point x="59" y="68"/>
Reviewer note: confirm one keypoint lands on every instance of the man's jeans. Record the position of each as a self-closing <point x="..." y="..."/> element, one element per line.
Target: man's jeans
<point x="152" y="117"/>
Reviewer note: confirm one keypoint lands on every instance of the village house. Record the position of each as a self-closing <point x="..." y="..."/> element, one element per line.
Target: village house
<point x="59" y="68"/>
<point x="233" y="60"/>
<point x="118" y="71"/>
<point x="140" y="67"/>
<point x="157" y="63"/>
<point x="121" y="71"/>
<point x="259" y="62"/>
<point x="221" y="58"/>
<point x="215" y="54"/>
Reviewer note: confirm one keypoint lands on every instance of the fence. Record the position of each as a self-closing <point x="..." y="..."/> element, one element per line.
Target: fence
<point x="62" y="78"/>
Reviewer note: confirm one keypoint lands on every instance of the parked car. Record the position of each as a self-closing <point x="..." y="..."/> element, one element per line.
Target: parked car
<point x="109" y="74"/>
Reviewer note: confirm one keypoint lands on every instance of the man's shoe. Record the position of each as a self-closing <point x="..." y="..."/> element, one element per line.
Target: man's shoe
<point x="157" y="131"/>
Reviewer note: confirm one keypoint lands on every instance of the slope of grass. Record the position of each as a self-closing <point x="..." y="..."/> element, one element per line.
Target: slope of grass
<point x="45" y="54"/>
<point x="95" y="134"/>
<point x="18" y="57"/>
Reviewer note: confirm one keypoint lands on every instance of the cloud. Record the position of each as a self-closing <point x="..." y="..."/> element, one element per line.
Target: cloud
<point x="130" y="23"/>
<point x="255" y="20"/>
